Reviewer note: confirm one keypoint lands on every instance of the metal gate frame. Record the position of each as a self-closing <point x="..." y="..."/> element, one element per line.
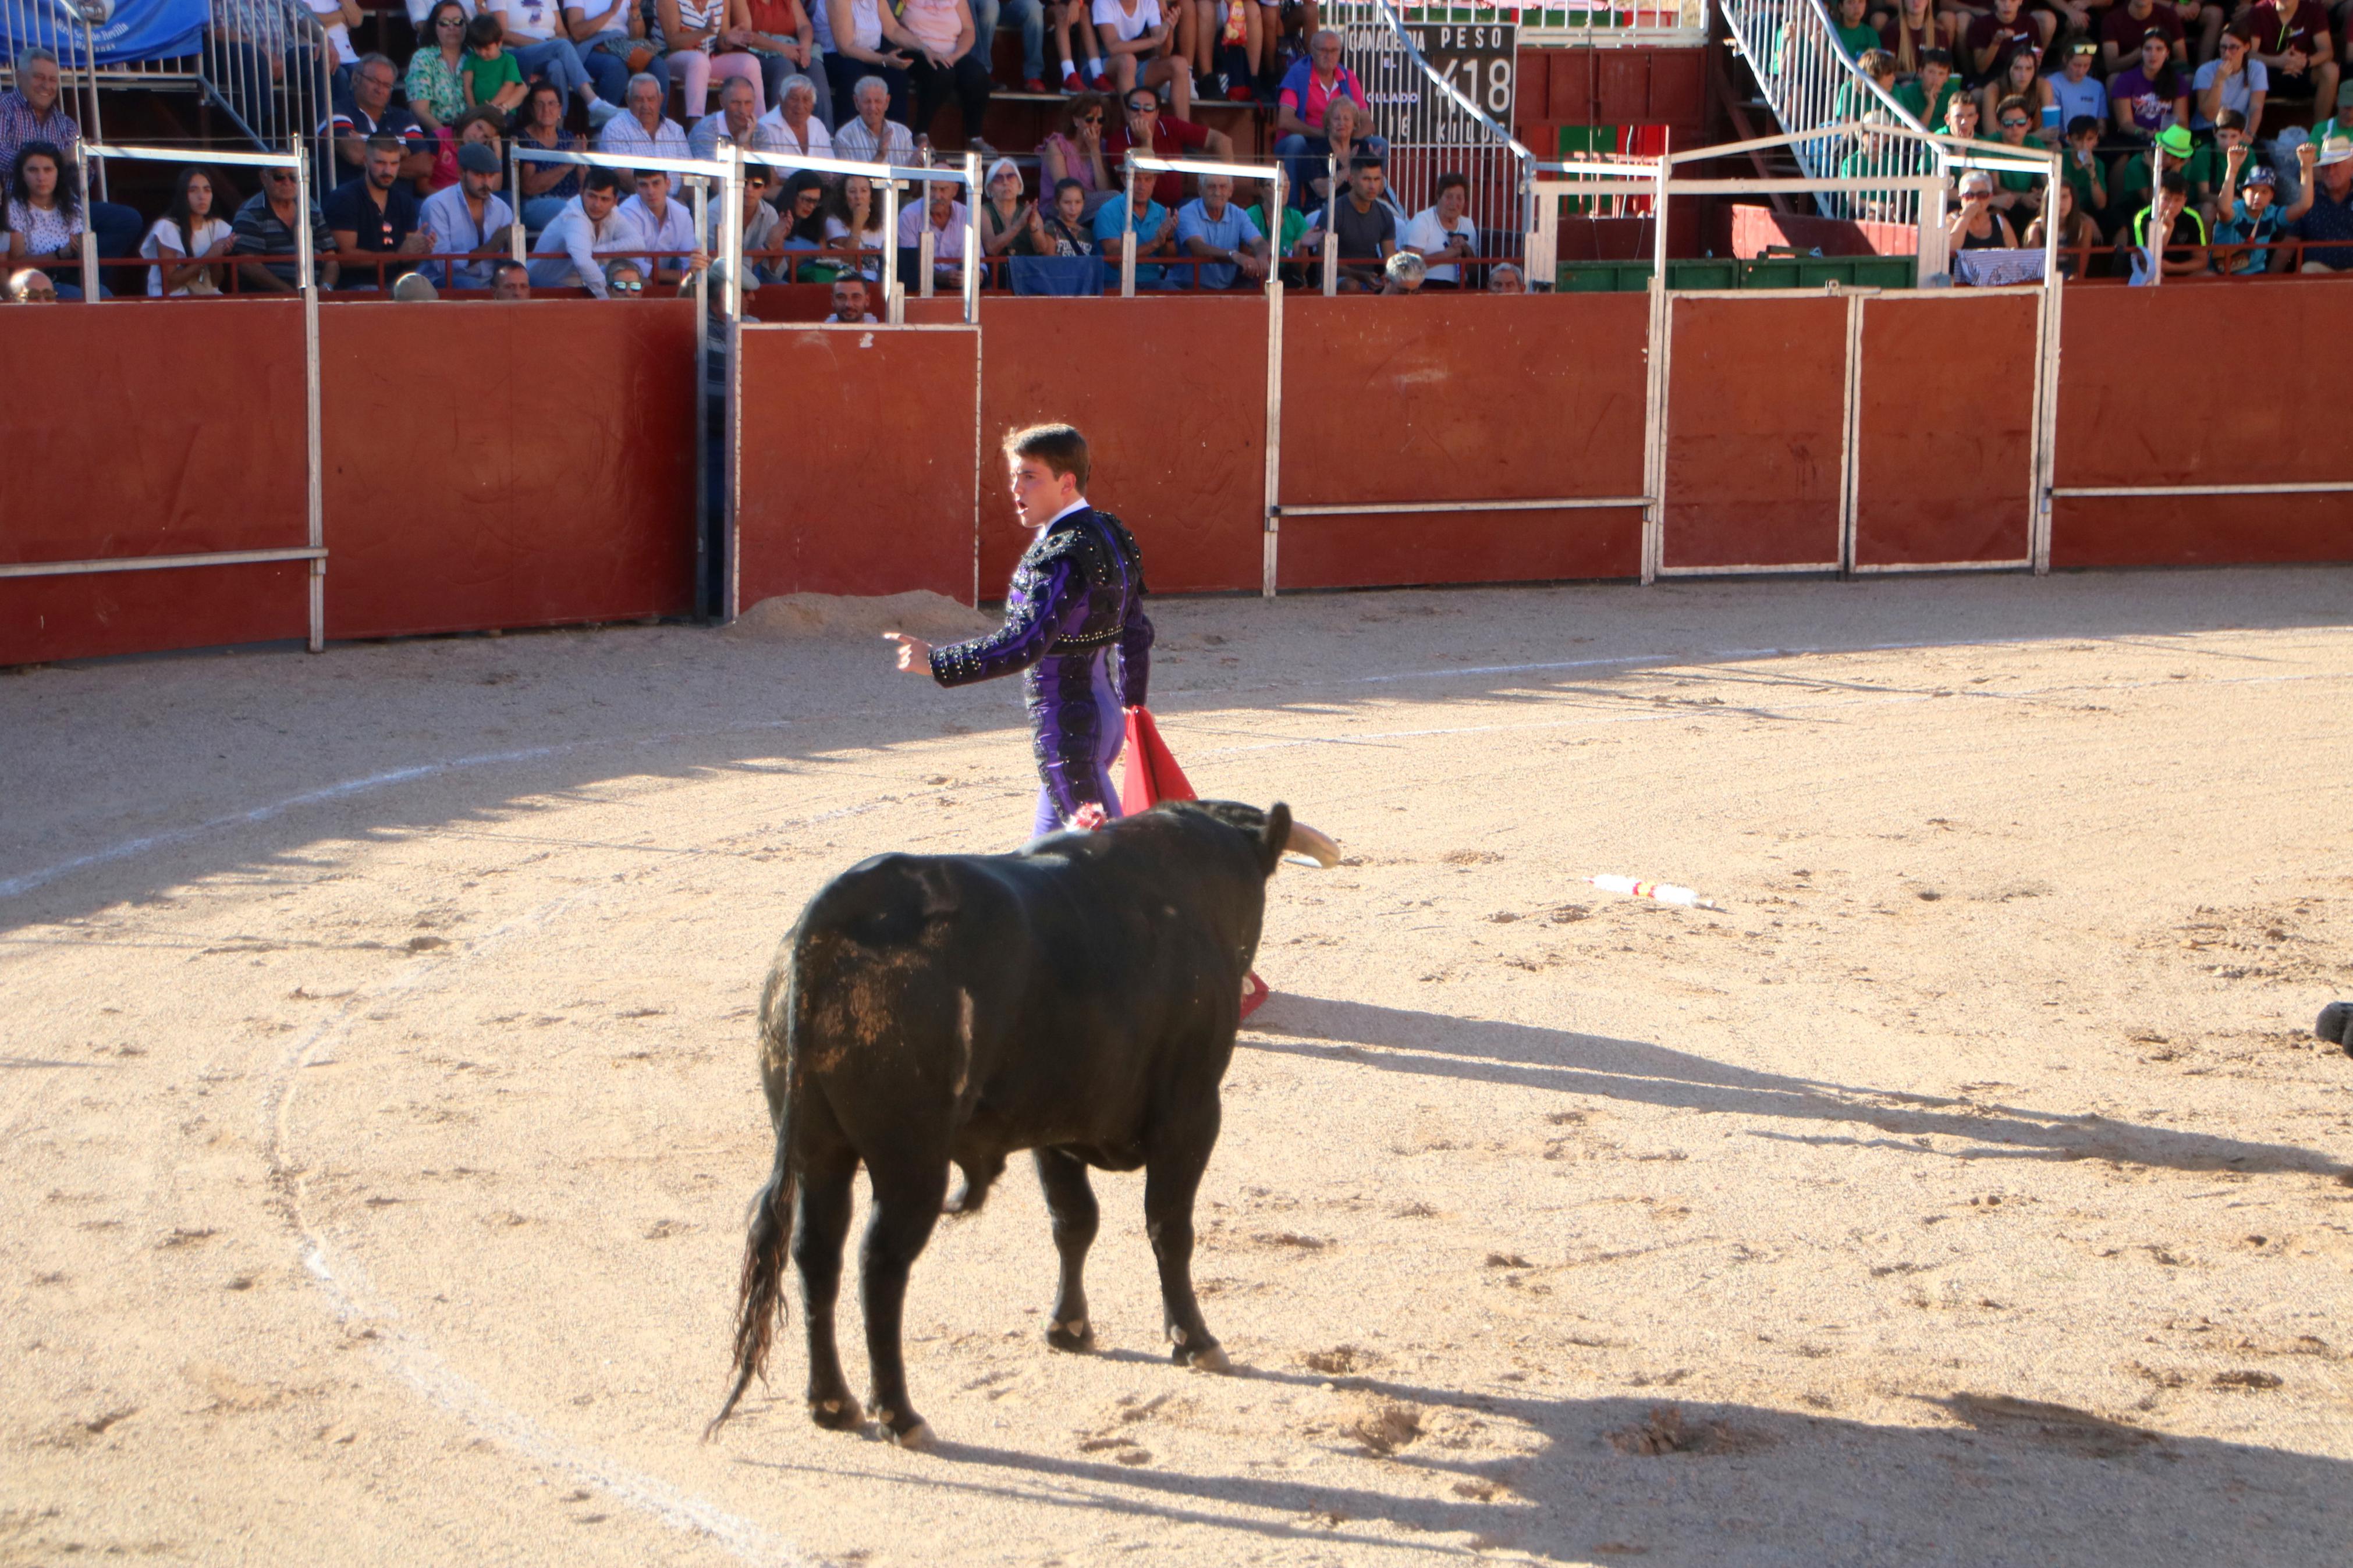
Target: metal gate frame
<point x="307" y="285"/>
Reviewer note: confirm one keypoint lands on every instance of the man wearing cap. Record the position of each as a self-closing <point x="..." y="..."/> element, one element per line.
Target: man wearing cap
<point x="377" y="215"/>
<point x="2324" y="211"/>
<point x="468" y="216"/>
<point x="2248" y="216"/>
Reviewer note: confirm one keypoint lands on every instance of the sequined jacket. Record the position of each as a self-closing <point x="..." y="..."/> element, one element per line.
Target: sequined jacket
<point x="1077" y="593"/>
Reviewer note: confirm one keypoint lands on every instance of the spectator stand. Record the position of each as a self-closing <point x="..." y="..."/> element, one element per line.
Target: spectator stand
<point x="856" y="398"/>
<point x="1137" y="162"/>
<point x="313" y="549"/>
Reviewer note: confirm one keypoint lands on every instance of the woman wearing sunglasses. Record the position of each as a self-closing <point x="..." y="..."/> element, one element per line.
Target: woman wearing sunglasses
<point x="1076" y="151"/>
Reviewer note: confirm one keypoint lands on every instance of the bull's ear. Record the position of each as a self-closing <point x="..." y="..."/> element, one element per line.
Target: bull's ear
<point x="1273" y="838"/>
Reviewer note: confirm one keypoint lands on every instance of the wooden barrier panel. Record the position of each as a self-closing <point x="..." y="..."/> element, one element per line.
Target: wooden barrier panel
<point x="1945" y="430"/>
<point x="152" y="442"/>
<point x="857" y="461"/>
<point x="1755" y="402"/>
<point x="495" y="464"/>
<point x="1172" y="396"/>
<point x="2235" y="384"/>
<point x="1461" y="396"/>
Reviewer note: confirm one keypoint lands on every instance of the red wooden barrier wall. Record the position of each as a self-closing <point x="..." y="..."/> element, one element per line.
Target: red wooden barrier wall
<point x="1756" y="402"/>
<point x="856" y="473"/>
<point x="126" y="439"/>
<point x="1461" y="397"/>
<point x="507" y="465"/>
<point x="2236" y="384"/>
<point x="1945" y="430"/>
<point x="1172" y="396"/>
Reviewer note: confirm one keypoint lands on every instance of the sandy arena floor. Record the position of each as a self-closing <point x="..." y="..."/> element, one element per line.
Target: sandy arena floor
<point x="380" y="1103"/>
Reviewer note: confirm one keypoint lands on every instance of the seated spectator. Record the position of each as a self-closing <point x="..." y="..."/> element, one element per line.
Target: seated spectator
<point x="1029" y="20"/>
<point x="2129" y="178"/>
<point x="2078" y="235"/>
<point x="2080" y="167"/>
<point x="1076" y="152"/>
<point x="1929" y="95"/>
<point x="600" y="31"/>
<point x="44" y="212"/>
<point x="950" y="62"/>
<point x="1364" y="226"/>
<point x="1442" y="234"/>
<point x="782" y="37"/>
<point x="2074" y="94"/>
<point x="1853" y="33"/>
<point x="1404" y="273"/>
<point x="1914" y="27"/>
<point x="801" y="226"/>
<point x="2150" y="95"/>
<point x="539" y="39"/>
<point x="738" y="120"/>
<point x="853" y="221"/>
<point x="510" y="279"/>
<point x="189" y="234"/>
<point x="30" y="111"/>
<point x="2017" y="194"/>
<point x="2235" y="79"/>
<point x="375" y="214"/>
<point x="2018" y="79"/>
<point x="546" y="186"/>
<point x="265" y="228"/>
<point x="1005" y="218"/>
<point x="868" y="45"/>
<point x="2175" y="220"/>
<point x="469" y="216"/>
<point x="1293" y="243"/>
<point x="849" y="302"/>
<point x="1211" y="227"/>
<point x="1305" y="96"/>
<point x="435" y="89"/>
<point x="660" y="230"/>
<point x="2204" y="171"/>
<point x="1505" y="278"/>
<point x="764" y="229"/>
<point x="2004" y="31"/>
<point x="2293" y="44"/>
<point x="336" y="20"/>
<point x="1139" y="45"/>
<point x="586" y="228"/>
<point x="1343" y="142"/>
<point x="1855" y="101"/>
<point x="483" y="127"/>
<point x="31" y="286"/>
<point x="2122" y="29"/>
<point x="257" y="51"/>
<point x="370" y="112"/>
<point x="1977" y="225"/>
<point x="624" y="280"/>
<point x="946" y="219"/>
<point x="2248" y="219"/>
<point x="794" y="125"/>
<point x="2322" y="216"/>
<point x="1072" y="19"/>
<point x="687" y="32"/>
<point x="490" y="75"/>
<point x="867" y="137"/>
<point x="1154" y="230"/>
<point x="641" y="127"/>
<point x="1063" y="231"/>
<point x="1960" y="117"/>
<point x="1149" y="131"/>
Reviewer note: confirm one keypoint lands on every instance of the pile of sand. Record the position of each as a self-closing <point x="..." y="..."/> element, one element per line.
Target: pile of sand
<point x="793" y="617"/>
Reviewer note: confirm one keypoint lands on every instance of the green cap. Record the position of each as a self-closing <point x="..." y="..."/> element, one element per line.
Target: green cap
<point x="2175" y="140"/>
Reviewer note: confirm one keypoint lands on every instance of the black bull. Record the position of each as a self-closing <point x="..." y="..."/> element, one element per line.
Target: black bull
<point x="1078" y="999"/>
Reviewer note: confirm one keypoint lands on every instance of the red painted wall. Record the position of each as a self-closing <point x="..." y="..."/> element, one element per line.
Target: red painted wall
<point x="1755" y="398"/>
<point x="1945" y="430"/>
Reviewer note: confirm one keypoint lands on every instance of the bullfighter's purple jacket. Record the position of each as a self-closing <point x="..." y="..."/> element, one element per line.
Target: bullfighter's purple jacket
<point x="1076" y="595"/>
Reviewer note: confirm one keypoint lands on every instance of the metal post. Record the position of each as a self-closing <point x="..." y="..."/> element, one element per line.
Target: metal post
<point x="1331" y="232"/>
<point x="514" y="198"/>
<point x="894" y="298"/>
<point x="1127" y="237"/>
<point x="1274" y="389"/>
<point x="972" y="239"/>
<point x="2046" y="388"/>
<point x="2154" y="241"/>
<point x="1850" y="436"/>
<point x="306" y="278"/>
<point x="89" y="229"/>
<point x="731" y="246"/>
<point x="1654" y="482"/>
<point x="97" y="131"/>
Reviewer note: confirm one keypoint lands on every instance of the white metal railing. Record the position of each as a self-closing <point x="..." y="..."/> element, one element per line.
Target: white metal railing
<point x="1812" y="83"/>
<point x="1431" y="127"/>
<point x="1581" y="24"/>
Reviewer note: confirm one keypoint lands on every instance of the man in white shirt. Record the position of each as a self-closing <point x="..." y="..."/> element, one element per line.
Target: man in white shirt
<point x="589" y="226"/>
<point x="642" y="128"/>
<point x="793" y="124"/>
<point x="543" y="46"/>
<point x="734" y="120"/>
<point x="946" y="217"/>
<point x="661" y="231"/>
<point x="867" y="137"/>
<point x="1443" y="236"/>
<point x="470" y="217"/>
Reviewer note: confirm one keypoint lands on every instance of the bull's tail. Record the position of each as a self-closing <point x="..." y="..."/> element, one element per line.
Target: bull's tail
<point x="760" y="1294"/>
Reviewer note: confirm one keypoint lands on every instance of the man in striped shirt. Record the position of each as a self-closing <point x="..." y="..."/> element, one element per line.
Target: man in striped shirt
<point x="867" y="137"/>
<point x="643" y="128"/>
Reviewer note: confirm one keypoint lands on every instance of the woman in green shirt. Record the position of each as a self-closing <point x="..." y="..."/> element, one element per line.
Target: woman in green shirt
<point x="436" y="96"/>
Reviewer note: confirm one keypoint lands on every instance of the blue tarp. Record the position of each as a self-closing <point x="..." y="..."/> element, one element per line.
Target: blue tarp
<point x="138" y="30"/>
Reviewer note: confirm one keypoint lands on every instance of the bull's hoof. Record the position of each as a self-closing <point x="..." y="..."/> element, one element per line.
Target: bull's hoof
<point x="1077" y="1336"/>
<point x="2335" y="1024"/>
<point x="838" y="1415"/>
<point x="909" y="1431"/>
<point x="966" y="1199"/>
<point x="1202" y="1358"/>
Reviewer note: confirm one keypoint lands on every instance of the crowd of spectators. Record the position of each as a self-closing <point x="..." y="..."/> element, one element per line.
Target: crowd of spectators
<point x="2227" y="111"/>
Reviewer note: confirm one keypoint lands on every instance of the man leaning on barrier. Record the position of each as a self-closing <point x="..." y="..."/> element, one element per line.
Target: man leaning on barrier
<point x="571" y="249"/>
<point x="469" y="216"/>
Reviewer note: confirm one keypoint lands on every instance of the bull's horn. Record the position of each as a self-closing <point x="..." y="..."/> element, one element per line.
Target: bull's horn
<point x="1305" y="840"/>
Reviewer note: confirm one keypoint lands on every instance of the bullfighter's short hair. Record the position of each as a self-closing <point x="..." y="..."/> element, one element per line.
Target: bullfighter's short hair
<point x="1060" y="447"/>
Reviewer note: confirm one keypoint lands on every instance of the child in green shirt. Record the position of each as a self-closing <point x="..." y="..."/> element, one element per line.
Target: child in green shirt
<point x="490" y="73"/>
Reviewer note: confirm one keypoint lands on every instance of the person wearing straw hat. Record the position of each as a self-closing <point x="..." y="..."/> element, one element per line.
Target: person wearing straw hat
<point x="1077" y="597"/>
<point x="2323" y="211"/>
